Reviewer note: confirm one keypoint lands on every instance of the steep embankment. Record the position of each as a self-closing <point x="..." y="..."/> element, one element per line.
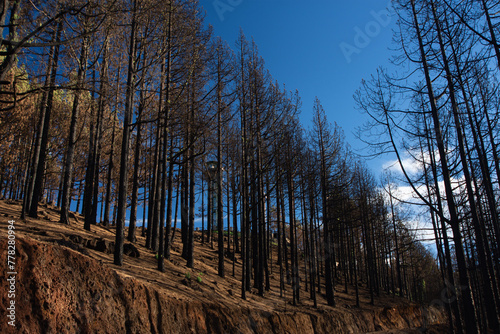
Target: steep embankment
<point x="60" y="290"/>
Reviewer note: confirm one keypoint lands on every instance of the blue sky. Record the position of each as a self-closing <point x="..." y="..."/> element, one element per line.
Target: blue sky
<point x="322" y="48"/>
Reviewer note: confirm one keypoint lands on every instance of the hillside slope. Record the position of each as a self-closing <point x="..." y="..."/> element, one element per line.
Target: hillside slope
<point x="64" y="287"/>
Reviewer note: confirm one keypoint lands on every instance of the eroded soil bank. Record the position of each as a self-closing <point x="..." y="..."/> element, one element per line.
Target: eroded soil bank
<point x="61" y="290"/>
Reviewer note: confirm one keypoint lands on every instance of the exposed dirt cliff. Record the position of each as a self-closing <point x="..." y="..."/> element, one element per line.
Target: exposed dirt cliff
<point x="60" y="291"/>
<point x="63" y="287"/>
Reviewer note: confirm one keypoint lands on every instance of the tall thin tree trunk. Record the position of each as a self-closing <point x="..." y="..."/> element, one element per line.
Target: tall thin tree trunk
<point x="470" y="319"/>
<point x="483" y="263"/>
<point x="70" y="153"/>
<point x="109" y="178"/>
<point x="123" y="183"/>
<point x="137" y="158"/>
<point x="220" y="213"/>
<point x="35" y="188"/>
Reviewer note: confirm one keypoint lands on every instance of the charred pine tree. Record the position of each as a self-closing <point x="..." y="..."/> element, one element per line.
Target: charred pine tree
<point x="35" y="187"/>
<point x="480" y="241"/>
<point x="70" y="153"/>
<point x="137" y="151"/>
<point x="322" y="140"/>
<point x="124" y="156"/>
<point x="111" y="165"/>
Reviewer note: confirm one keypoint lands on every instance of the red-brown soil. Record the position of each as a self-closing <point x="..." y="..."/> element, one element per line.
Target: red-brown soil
<point x="63" y="286"/>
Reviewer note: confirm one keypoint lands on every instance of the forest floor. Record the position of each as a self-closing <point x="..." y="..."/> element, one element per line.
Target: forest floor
<point x="180" y="282"/>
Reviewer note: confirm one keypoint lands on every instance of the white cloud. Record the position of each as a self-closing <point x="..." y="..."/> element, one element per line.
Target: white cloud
<point x="411" y="166"/>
